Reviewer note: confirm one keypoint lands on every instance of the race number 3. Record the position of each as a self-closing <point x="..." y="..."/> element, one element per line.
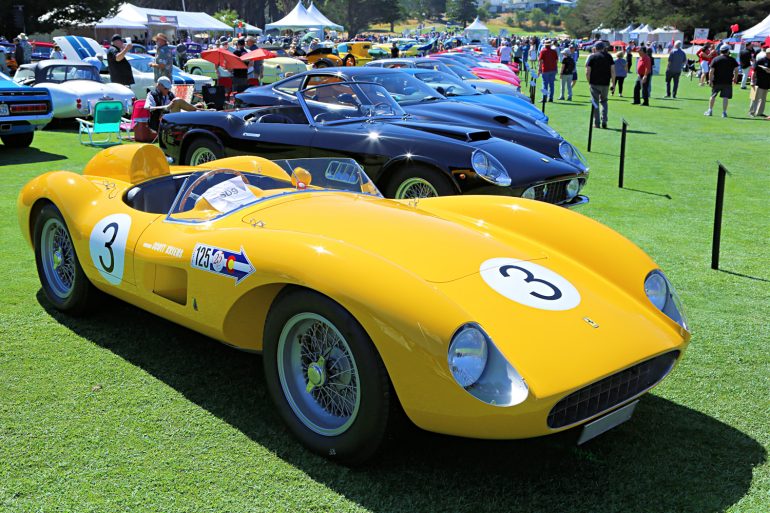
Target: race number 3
<point x="107" y="246"/>
<point x="529" y="284"/>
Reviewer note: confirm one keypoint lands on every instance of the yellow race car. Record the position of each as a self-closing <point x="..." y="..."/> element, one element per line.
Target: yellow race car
<point x="478" y="316"/>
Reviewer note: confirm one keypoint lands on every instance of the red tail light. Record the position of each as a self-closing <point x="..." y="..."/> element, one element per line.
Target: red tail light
<point x="29" y="108"/>
<point x="79" y="103"/>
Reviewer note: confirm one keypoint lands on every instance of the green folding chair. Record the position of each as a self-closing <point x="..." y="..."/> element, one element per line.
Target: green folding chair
<point x="107" y="115"/>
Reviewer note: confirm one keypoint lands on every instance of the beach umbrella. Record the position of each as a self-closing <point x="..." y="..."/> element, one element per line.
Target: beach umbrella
<point x="259" y="54"/>
<point x="223" y="58"/>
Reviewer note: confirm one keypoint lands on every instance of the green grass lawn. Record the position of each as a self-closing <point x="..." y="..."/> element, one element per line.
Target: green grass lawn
<point x="127" y="412"/>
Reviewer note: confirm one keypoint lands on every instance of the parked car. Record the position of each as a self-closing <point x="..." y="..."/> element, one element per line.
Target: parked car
<point x="273" y="70"/>
<point x="405" y="157"/>
<point x="424" y="63"/>
<point x="41" y="50"/>
<point x="23" y="110"/>
<point x="144" y="75"/>
<point x="355" y="53"/>
<point x="482" y="317"/>
<point x="424" y="103"/>
<point x="74" y="86"/>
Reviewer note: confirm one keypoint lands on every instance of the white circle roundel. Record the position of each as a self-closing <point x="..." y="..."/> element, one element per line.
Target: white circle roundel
<point x="529" y="284"/>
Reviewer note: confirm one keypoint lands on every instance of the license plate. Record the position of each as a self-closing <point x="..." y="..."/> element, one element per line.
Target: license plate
<point x="4" y="109"/>
<point x="603" y="424"/>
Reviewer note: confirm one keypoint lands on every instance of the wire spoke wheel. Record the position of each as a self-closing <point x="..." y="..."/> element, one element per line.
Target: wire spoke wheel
<point x="202" y="155"/>
<point x="58" y="258"/>
<point x="415" y="188"/>
<point x="318" y="374"/>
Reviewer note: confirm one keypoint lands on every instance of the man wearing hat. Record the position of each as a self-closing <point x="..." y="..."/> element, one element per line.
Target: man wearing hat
<point x="117" y="64"/>
<point x="722" y="73"/>
<point x="164" y="58"/>
<point x="241" y="75"/>
<point x="161" y="100"/>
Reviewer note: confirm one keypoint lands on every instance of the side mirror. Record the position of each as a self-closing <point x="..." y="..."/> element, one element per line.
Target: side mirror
<point x="301" y="178"/>
<point x="440" y="90"/>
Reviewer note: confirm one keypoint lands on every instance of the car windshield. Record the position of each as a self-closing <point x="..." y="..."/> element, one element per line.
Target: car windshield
<point x="445" y="84"/>
<point x="462" y="71"/>
<point x="4" y="77"/>
<point x="405" y="89"/>
<point x="211" y="194"/>
<point x="341" y="102"/>
<point x="64" y="72"/>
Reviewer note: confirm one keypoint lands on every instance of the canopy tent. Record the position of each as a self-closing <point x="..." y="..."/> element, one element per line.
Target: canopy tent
<point x="758" y="31"/>
<point x="248" y="28"/>
<point x="131" y="17"/>
<point x="665" y="35"/>
<point x="298" y="19"/>
<point x="315" y="13"/>
<point x="476" y="31"/>
<point x="625" y="34"/>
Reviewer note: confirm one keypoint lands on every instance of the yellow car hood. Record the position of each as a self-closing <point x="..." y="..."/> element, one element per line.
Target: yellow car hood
<point x="435" y="249"/>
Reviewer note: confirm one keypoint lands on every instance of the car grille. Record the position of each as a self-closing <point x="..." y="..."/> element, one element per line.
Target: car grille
<point x="552" y="192"/>
<point x="611" y="391"/>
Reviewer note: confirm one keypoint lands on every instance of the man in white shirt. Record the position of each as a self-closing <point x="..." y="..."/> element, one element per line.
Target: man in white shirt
<point x="505" y="52"/>
<point x="161" y="100"/>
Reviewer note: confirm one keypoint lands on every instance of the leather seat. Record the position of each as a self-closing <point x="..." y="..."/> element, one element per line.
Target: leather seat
<point x="155" y="197"/>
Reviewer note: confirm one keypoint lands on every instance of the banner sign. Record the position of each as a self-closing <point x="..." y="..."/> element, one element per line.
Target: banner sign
<point x="159" y="19"/>
<point x="701" y="33"/>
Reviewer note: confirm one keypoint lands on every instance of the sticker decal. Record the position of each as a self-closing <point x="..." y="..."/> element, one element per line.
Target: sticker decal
<point x="224" y="262"/>
<point x="166" y="249"/>
<point x="107" y="245"/>
<point x="529" y="284"/>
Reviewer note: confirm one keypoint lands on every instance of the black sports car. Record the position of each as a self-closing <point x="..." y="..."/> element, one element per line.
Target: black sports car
<point x="406" y="158"/>
<point x="424" y="103"/>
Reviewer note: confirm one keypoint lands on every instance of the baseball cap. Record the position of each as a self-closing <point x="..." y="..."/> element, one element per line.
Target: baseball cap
<point x="165" y="82"/>
<point x="116" y="37"/>
<point x="724" y="49"/>
<point x="600" y="45"/>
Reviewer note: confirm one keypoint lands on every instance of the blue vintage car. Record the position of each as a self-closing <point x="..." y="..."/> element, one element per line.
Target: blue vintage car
<point x="22" y="111"/>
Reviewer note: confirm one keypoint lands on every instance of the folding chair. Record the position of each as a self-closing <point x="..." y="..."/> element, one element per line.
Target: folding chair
<point x="108" y="116"/>
<point x="214" y="96"/>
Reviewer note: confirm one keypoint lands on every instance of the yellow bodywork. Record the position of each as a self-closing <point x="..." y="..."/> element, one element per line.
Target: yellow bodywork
<point x="408" y="272"/>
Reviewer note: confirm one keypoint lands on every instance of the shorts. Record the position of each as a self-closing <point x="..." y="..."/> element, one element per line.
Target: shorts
<point x="574" y="75"/>
<point x="723" y="90"/>
<point x="704" y="67"/>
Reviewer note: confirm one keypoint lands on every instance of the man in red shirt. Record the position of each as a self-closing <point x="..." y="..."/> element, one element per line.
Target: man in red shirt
<point x="549" y="63"/>
<point x="643" y="71"/>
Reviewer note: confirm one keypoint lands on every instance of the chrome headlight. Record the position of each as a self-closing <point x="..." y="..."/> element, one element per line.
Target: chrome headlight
<point x="478" y="367"/>
<point x="547" y="129"/>
<point x="489" y="168"/>
<point x="572" y="155"/>
<point x="661" y="293"/>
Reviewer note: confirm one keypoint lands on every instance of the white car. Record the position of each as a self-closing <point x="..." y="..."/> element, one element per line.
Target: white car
<point x="74" y="86"/>
<point x="79" y="48"/>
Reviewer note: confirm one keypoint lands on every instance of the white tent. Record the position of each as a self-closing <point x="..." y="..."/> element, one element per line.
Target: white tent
<point x="758" y="31"/>
<point x="315" y="13"/>
<point x="248" y="28"/>
<point x="298" y="19"/>
<point x="132" y="17"/>
<point x="666" y="35"/>
<point x="476" y="31"/>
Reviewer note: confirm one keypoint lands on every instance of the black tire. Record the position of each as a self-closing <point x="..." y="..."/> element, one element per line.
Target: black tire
<point x="349" y="60"/>
<point x="418" y="181"/>
<point x="18" y="140"/>
<point x="365" y="430"/>
<point x="323" y="63"/>
<point x="201" y="150"/>
<point x="64" y="283"/>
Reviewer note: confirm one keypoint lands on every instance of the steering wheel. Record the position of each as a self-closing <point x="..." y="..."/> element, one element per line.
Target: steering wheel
<point x="205" y="176"/>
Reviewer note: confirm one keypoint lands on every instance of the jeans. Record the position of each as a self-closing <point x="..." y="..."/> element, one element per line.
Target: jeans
<point x="643" y="90"/>
<point x="549" y="83"/>
<point x="566" y="80"/>
<point x="670" y="75"/>
<point x="599" y="99"/>
<point x="745" y="77"/>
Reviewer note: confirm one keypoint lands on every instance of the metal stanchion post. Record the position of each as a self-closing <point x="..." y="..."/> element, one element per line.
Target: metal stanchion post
<point x="715" y="242"/>
<point x="622" y="167"/>
<point x="542" y="107"/>
<point x="591" y="127"/>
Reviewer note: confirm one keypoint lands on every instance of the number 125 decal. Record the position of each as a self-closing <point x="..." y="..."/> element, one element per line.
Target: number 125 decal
<point x="529" y="284"/>
<point x="107" y="246"/>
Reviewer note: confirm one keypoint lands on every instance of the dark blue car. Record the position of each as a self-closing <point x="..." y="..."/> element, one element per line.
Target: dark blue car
<point x="22" y="111"/>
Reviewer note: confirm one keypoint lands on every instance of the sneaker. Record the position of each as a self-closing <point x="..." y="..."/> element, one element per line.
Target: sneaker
<point x="744" y="87"/>
<point x="620" y="94"/>
<point x="667" y="96"/>
<point x="707" y="113"/>
<point x="724" y="114"/>
<point x="604" y="125"/>
<point x="560" y="98"/>
<point x="596" y="125"/>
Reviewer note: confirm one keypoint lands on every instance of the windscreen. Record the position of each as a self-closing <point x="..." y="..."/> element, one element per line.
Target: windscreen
<point x="405" y="89"/>
<point x="447" y="85"/>
<point x="337" y="102"/>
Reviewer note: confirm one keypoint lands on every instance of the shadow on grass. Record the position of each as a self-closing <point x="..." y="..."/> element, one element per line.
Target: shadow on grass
<point x="667" y="196"/>
<point x="740" y="275"/>
<point x="29" y="155"/>
<point x="667" y="458"/>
